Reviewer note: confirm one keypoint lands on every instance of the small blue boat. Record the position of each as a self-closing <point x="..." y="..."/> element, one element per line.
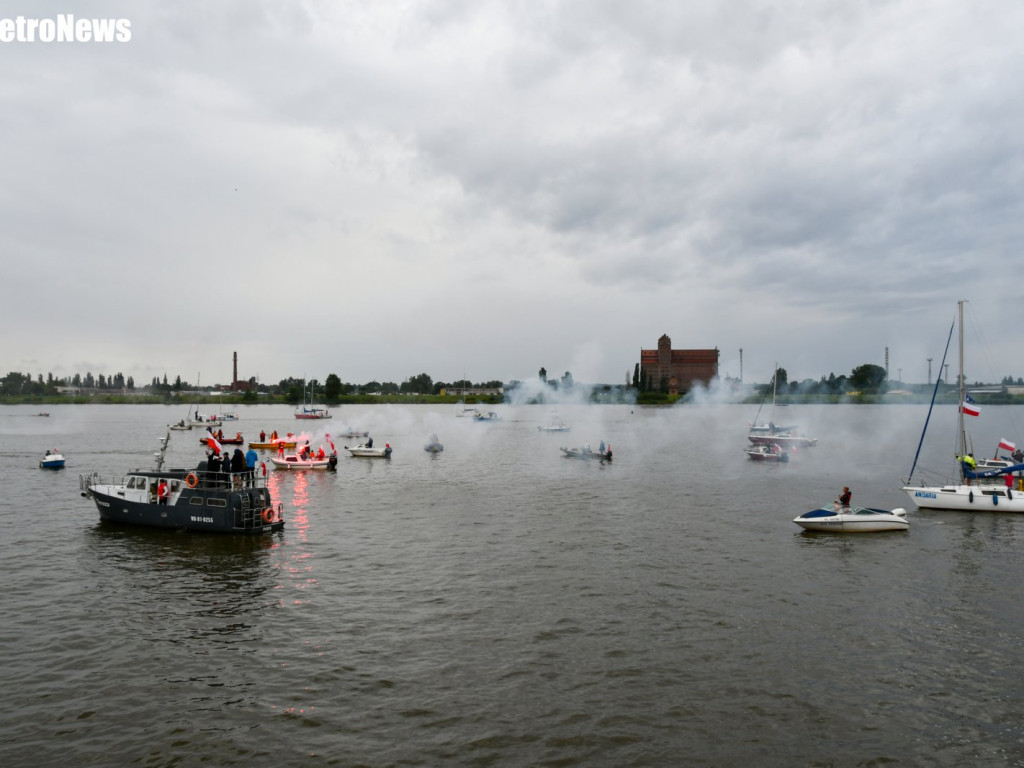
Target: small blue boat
<point x="52" y="460"/>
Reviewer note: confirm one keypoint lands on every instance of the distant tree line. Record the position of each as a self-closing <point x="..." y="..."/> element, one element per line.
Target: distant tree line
<point x="867" y="378"/>
<point x="291" y="389"/>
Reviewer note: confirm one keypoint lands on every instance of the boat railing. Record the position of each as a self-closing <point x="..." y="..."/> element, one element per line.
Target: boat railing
<point x="182" y="478"/>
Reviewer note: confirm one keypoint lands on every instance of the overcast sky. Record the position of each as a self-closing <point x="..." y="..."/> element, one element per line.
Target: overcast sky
<point x="476" y="188"/>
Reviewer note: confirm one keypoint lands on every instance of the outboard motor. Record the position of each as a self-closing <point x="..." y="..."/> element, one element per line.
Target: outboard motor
<point x="332" y="462"/>
<point x="387" y="452"/>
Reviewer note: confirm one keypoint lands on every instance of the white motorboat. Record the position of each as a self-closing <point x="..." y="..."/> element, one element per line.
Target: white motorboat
<point x="989" y="485"/>
<point x="294" y="461"/>
<point x="839" y="519"/>
<point x="555" y="424"/>
<point x="369" y="452"/>
<point x="766" y="452"/>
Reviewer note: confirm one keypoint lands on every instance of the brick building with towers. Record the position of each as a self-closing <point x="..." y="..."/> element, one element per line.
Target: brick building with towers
<point x="675" y="371"/>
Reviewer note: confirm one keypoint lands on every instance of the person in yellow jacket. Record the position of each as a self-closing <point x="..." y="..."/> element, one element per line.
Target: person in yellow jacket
<point x="968" y="463"/>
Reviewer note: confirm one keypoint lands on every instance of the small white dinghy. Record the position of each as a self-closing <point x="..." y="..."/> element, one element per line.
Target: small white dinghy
<point x="840" y="519"/>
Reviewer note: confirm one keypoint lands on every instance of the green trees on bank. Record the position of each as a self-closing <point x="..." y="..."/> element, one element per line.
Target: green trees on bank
<point x="864" y="380"/>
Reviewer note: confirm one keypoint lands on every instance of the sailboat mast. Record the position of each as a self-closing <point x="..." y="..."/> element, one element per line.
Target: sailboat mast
<point x="775" y="388"/>
<point x="961" y="388"/>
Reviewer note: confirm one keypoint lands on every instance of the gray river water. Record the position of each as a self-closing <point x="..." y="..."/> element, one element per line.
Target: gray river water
<point x="497" y="604"/>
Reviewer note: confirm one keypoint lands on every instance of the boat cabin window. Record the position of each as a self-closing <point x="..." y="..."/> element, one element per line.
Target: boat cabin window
<point x="196" y="501"/>
<point x="216" y="502"/>
<point x="136" y="482"/>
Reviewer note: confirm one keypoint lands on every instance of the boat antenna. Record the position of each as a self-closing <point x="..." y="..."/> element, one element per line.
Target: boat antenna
<point x="164" y="441"/>
<point x="932" y="404"/>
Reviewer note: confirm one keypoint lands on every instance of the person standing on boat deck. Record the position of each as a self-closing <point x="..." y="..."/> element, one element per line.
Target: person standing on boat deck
<point x="161" y="492"/>
<point x="1008" y="479"/>
<point x="280" y="448"/>
<point x="968" y="464"/>
<point x="251" y="457"/>
<point x="263" y="436"/>
<point x="845" y="496"/>
<point x="213" y="468"/>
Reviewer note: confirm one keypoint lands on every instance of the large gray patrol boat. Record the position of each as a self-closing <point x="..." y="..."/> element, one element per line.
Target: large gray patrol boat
<point x="194" y="500"/>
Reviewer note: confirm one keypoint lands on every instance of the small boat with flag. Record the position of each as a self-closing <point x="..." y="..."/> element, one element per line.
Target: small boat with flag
<point x="52" y="459"/>
<point x="836" y="518"/>
<point x="236" y="440"/>
<point x="767" y="452"/>
<point x="194" y="499"/>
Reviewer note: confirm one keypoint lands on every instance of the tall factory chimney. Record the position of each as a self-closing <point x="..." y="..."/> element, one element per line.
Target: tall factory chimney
<point x="234" y="374"/>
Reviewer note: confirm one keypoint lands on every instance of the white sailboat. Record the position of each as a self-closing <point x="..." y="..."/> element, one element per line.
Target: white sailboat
<point x="310" y="411"/>
<point x="770" y="433"/>
<point x="981" y="489"/>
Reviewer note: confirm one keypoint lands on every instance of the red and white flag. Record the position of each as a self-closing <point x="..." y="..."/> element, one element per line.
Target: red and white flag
<point x="335" y="450"/>
<point x="970" y="409"/>
<point x="212" y="441"/>
<point x="1006" y="445"/>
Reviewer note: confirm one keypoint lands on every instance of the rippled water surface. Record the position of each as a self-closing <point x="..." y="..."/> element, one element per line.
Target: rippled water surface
<point x="497" y="604"/>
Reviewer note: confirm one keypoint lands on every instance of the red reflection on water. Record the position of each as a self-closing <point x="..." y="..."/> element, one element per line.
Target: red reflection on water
<point x="298" y="561"/>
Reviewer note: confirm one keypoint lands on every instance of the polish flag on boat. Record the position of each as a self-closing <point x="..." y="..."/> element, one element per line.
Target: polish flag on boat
<point x="970" y="409"/>
<point x="212" y="441"/>
<point x="331" y="442"/>
<point x="1006" y="445"/>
